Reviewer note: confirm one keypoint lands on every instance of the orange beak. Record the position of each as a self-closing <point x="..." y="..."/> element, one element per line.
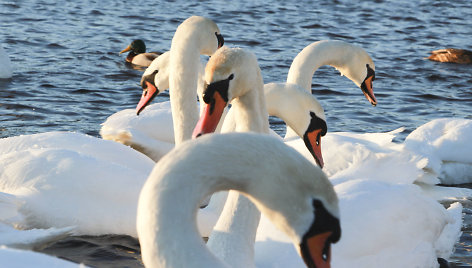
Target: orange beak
<point x="313" y="143"/>
<point x="128" y="48"/>
<point x="368" y="90"/>
<point x="149" y="93"/>
<point x="316" y="249"/>
<point x="211" y="116"/>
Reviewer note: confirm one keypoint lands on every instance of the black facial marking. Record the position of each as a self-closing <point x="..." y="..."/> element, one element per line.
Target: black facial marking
<point x="220" y="38"/>
<point x="324" y="222"/>
<point x="221" y="87"/>
<point x="149" y="78"/>
<point x="370" y="72"/>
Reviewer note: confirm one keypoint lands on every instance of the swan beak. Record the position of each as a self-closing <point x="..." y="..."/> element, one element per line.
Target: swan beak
<point x="211" y="116"/>
<point x="128" y="48"/>
<point x="368" y="90"/>
<point x="149" y="93"/>
<point x="312" y="141"/>
<point x="319" y="256"/>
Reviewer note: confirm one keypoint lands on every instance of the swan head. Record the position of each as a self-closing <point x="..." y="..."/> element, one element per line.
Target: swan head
<point x="301" y="111"/>
<point x="206" y="32"/>
<point x="137" y="47"/>
<point x="154" y="78"/>
<point x="360" y="68"/>
<point x="228" y="75"/>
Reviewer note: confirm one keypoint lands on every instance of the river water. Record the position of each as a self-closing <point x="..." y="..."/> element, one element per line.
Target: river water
<point x="68" y="74"/>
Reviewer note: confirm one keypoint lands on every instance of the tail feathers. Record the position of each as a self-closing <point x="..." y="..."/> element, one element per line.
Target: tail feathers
<point x="33" y="238"/>
<point x="9" y="207"/>
<point x="451" y="232"/>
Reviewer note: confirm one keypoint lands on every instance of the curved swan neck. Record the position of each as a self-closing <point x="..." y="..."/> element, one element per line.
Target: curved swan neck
<point x="184" y="65"/>
<point x="250" y="111"/>
<point x="240" y="218"/>
<point x="238" y="224"/>
<point x="312" y="57"/>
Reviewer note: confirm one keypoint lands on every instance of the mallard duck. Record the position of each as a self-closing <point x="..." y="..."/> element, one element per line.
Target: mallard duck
<point x="137" y="53"/>
<point x="454" y="55"/>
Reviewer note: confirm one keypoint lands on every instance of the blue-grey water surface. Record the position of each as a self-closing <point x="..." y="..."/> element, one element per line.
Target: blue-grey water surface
<point x="68" y="74"/>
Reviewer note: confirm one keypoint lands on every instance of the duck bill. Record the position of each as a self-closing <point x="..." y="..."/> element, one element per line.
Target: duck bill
<point x="211" y="116"/>
<point x="314" y="253"/>
<point x="368" y="90"/>
<point x="313" y="146"/>
<point x="128" y="48"/>
<point x="149" y="93"/>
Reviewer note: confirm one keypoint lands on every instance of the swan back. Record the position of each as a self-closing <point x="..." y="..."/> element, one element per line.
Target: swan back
<point x="275" y="177"/>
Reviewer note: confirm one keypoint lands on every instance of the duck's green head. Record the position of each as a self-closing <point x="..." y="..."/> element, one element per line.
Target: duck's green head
<point x="137" y="46"/>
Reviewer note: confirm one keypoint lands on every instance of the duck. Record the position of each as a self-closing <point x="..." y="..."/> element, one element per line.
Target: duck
<point x="137" y="53"/>
<point x="6" y="70"/>
<point x="454" y="55"/>
<point x="197" y="168"/>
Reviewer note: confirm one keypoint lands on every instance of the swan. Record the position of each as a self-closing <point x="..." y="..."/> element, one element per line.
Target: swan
<point x="446" y="144"/>
<point x="258" y="166"/>
<point x="5" y="64"/>
<point x="193" y="37"/>
<point x="152" y="132"/>
<point x="353" y="186"/>
<point x="137" y="53"/>
<point x="10" y="257"/>
<point x="454" y="55"/>
<point x="350" y="60"/>
<point x="63" y="179"/>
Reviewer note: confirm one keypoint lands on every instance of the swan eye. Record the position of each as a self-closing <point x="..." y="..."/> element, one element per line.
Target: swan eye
<point x="318" y="138"/>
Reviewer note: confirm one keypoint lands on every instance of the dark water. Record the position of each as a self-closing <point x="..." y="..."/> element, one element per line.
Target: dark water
<point x="68" y="74"/>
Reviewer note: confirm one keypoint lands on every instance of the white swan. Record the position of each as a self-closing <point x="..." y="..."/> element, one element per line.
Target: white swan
<point x="427" y="243"/>
<point x="447" y="145"/>
<point x="61" y="179"/>
<point x="152" y="132"/>
<point x="275" y="177"/>
<point x="22" y="258"/>
<point x="233" y="74"/>
<point x="5" y="64"/>
<point x="195" y="36"/>
<point x="350" y="60"/>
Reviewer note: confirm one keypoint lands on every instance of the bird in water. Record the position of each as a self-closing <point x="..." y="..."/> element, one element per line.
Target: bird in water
<point x="453" y="55"/>
<point x="137" y="53"/>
